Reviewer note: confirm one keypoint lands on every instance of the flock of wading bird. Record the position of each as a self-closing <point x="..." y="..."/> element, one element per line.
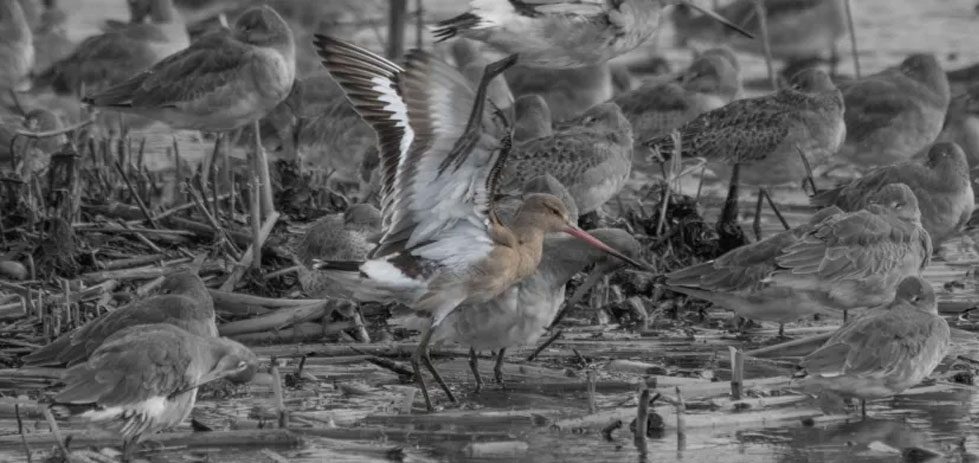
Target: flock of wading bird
<point x="485" y="165"/>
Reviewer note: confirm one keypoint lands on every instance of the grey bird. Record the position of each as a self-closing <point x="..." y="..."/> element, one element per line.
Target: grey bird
<point x="349" y="236"/>
<point x="942" y="185"/>
<point x="895" y="113"/>
<point x="837" y="262"/>
<point x="883" y="352"/>
<point x="144" y="379"/>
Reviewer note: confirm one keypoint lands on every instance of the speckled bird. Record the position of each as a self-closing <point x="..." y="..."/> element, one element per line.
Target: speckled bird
<point x="144" y="379"/>
<point x="797" y="29"/>
<point x="112" y="57"/>
<point x="561" y="33"/>
<point x="884" y="352"/>
<point x="184" y="302"/>
<point x="710" y="82"/>
<point x="349" y="236"/>
<point x="443" y="146"/>
<point x="836" y="262"/>
<point x="895" y="113"/>
<point x="591" y="156"/>
<point x="942" y="185"/>
<point x="765" y="135"/>
<point x="16" y="47"/>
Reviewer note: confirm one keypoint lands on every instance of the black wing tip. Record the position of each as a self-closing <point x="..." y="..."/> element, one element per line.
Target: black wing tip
<point x="451" y="27"/>
<point x="343" y="265"/>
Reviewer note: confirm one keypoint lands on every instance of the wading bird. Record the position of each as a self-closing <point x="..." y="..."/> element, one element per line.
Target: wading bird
<point x="442" y="150"/>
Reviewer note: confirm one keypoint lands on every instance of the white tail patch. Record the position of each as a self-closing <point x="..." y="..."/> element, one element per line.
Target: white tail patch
<point x="152" y="408"/>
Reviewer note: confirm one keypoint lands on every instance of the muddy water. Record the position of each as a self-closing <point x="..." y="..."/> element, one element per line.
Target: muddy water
<point x="938" y="422"/>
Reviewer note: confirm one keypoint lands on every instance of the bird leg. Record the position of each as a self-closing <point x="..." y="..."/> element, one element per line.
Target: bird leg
<point x="420" y="352"/>
<point x="781" y="330"/>
<point x="474" y="366"/>
<point x="808" y="167"/>
<point x="756" y="225"/>
<point x="863" y="408"/>
<point x="262" y="164"/>
<point x="729" y="233"/>
<point x="431" y="367"/>
<point x="498" y="368"/>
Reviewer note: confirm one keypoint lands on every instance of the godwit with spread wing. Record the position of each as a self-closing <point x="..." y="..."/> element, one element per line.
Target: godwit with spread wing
<point x="885" y="351"/>
<point x="895" y="113"/>
<point x="442" y="150"/>
<point x="942" y="185"/>
<point x="767" y="137"/>
<point x="591" y="156"/>
<point x="144" y="379"/>
<point x="185" y="302"/>
<point x="839" y="261"/>
<point x="16" y="46"/>
<point x="712" y="80"/>
<point x="110" y="58"/>
<point x="562" y="33"/>
<point x="222" y="82"/>
<point x="797" y="29"/>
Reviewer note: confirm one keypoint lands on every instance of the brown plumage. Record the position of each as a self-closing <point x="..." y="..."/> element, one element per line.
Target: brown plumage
<point x="655" y="108"/>
<point x="765" y="134"/>
<point x="591" y="156"/>
<point x="144" y="379"/>
<point x="838" y="261"/>
<point x="942" y="185"/>
<point x="885" y="351"/>
<point x="349" y="236"/>
<point x="185" y="302"/>
<point x="895" y="113"/>
<point x="442" y="150"/>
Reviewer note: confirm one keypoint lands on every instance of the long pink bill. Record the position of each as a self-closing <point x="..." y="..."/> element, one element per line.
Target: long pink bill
<point x="718" y="18"/>
<point x="598" y="244"/>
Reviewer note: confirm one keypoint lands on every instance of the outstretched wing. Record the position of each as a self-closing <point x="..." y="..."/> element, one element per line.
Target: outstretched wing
<point x="484" y="14"/>
<point x="446" y="150"/>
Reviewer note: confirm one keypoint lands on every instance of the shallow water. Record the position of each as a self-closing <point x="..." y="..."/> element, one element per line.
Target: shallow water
<point x="940" y="422"/>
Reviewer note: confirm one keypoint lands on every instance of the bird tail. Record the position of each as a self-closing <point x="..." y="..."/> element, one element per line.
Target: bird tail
<point x="116" y="96"/>
<point x="49" y="355"/>
<point x="359" y="286"/>
<point x="449" y="28"/>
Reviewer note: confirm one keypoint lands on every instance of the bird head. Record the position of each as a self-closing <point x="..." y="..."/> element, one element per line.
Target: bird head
<point x="262" y="26"/>
<point x="924" y="68"/>
<point x="948" y="157"/>
<point x="811" y="80"/>
<point x="713" y="72"/>
<point x="917" y="292"/>
<point x="898" y="200"/>
<point x="237" y="363"/>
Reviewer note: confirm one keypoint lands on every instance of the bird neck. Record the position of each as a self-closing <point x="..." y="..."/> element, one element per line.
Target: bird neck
<point x="528" y="241"/>
<point x="163" y="11"/>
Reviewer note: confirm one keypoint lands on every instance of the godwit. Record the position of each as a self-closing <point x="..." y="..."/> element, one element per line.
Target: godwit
<point x="883" y="352"/>
<point x="222" y="82"/>
<point x="337" y="237"/>
<point x="533" y="118"/>
<point x="562" y="33"/>
<point x="16" y="47"/>
<point x="568" y="92"/>
<point x="144" y="379"/>
<point x="34" y="153"/>
<point x="113" y="57"/>
<point x="796" y="29"/>
<point x="185" y="302"/>
<point x="655" y="108"/>
<point x="766" y="136"/>
<point x="895" y="113"/>
<point x="442" y="150"/>
<point x="838" y="261"/>
<point x="962" y="124"/>
<point x="591" y="156"/>
<point x="942" y="185"/>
